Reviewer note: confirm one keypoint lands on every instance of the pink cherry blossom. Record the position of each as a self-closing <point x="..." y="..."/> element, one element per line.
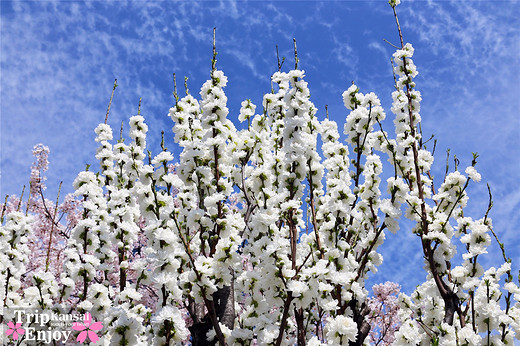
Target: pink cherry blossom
<point x="383" y="315"/>
<point x="41" y="152"/>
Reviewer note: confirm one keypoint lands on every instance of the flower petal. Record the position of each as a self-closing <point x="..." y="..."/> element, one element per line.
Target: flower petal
<point x="11" y="325"/>
<point x="20" y="331"/>
<point x="78" y="326"/>
<point x="92" y="336"/>
<point x="82" y="336"/>
<point x="96" y="326"/>
<point x="9" y="332"/>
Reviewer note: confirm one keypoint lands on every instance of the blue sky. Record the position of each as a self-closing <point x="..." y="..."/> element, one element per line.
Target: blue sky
<point x="59" y="60"/>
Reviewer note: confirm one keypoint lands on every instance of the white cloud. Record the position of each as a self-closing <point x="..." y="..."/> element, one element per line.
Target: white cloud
<point x="379" y="47"/>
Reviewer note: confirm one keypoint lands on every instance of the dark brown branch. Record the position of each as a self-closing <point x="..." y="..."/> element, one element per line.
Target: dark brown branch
<point x="451" y="300"/>
<point x="285" y="316"/>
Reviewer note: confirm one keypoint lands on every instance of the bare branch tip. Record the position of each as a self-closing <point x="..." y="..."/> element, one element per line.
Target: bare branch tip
<point x="278" y="59"/>
<point x="327" y="111"/>
<point x="20" y="201"/>
<point x="162" y="141"/>
<point x="296" y="60"/>
<point x="110" y="102"/>
<point x="393" y="45"/>
<point x="175" y="94"/>
<point x="214" y="60"/>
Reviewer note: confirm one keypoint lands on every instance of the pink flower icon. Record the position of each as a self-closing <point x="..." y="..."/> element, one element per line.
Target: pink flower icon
<point x="87" y="328"/>
<point x="15" y="330"/>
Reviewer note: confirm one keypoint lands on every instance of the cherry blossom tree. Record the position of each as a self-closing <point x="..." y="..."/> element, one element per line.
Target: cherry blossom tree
<point x="383" y="316"/>
<point x="261" y="237"/>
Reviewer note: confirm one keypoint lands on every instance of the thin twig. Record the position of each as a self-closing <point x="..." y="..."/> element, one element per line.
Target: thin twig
<point x="393" y="45"/>
<point x="393" y="73"/>
<point x="490" y="205"/>
<point x="278" y="59"/>
<point x="506" y="259"/>
<point x="162" y="142"/>
<point x="295" y="55"/>
<point x="327" y="111"/>
<point x="110" y="102"/>
<point x="48" y="260"/>
<point x="447" y="164"/>
<point x="214" y="60"/>
<point x="175" y="95"/>
<point x="20" y="201"/>
<point x="280" y="63"/>
<point x="434" y="146"/>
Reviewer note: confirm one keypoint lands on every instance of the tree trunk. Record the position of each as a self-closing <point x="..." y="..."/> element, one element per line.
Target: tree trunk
<point x="362" y="325"/>
<point x="451" y="304"/>
<point x="199" y="330"/>
<point x="224" y="303"/>
<point x="298" y="314"/>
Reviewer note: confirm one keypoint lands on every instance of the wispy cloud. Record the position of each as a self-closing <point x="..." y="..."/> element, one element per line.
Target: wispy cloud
<point x="471" y="88"/>
<point x="344" y="53"/>
<point x="379" y="47"/>
<point x="247" y="60"/>
<point x="57" y="79"/>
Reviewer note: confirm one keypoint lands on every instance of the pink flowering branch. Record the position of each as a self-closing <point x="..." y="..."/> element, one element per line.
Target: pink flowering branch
<point x="383" y="315"/>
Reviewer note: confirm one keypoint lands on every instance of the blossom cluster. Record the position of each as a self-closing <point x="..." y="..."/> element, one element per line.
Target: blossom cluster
<point x="260" y="236"/>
